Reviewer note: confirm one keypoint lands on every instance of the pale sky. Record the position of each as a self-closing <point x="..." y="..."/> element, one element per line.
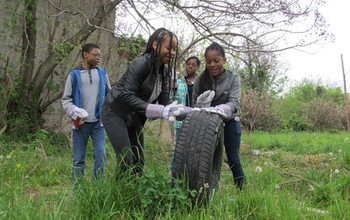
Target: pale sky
<point x="324" y="61"/>
<point x="320" y="61"/>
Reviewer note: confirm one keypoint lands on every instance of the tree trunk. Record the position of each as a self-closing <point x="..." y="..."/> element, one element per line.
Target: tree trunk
<point x="25" y="105"/>
<point x="346" y="97"/>
<point x="28" y="42"/>
<point x="21" y="113"/>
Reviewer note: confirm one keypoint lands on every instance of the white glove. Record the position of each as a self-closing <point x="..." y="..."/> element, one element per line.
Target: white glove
<point x="172" y="110"/>
<point x="181" y="113"/>
<point x="204" y="100"/>
<point x="224" y="110"/>
<point x="169" y="112"/>
<point x="216" y="110"/>
<point x="81" y="113"/>
<point x="78" y="113"/>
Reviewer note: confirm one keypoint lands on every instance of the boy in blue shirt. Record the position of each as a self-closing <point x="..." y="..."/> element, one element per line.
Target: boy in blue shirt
<point x="84" y="95"/>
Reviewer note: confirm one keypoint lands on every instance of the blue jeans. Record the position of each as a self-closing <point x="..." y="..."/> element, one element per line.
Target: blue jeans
<point x="80" y="141"/>
<point x="177" y="132"/>
<point x="232" y="141"/>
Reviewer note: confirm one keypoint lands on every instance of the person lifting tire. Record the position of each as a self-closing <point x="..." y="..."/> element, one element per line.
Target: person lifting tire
<point x="198" y="153"/>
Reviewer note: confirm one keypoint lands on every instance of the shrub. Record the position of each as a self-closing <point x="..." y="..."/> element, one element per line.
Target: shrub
<point x="325" y="115"/>
<point x="258" y="113"/>
<point x="311" y="106"/>
<point x="296" y="123"/>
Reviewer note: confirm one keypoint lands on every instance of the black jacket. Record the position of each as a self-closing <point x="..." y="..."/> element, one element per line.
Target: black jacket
<point x="129" y="96"/>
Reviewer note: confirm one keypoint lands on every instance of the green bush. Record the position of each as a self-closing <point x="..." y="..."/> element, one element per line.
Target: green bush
<point x="325" y="115"/>
<point x="311" y="106"/>
<point x="296" y="123"/>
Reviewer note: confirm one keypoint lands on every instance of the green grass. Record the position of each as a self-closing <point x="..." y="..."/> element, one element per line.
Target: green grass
<point x="290" y="176"/>
<point x="300" y="142"/>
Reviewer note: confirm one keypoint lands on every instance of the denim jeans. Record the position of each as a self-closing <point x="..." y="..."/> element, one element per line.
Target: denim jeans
<point x="177" y="133"/>
<point x="80" y="141"/>
<point x="232" y="141"/>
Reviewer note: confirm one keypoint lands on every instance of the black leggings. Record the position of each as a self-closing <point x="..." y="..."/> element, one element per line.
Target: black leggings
<point x="232" y="139"/>
<point x="128" y="142"/>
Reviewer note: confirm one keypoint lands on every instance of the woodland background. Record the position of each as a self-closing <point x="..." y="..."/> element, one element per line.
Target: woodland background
<point x="41" y="39"/>
<point x="295" y="141"/>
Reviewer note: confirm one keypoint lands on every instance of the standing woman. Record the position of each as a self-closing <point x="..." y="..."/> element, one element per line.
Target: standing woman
<point x="227" y="87"/>
<point x="185" y="87"/>
<point x="132" y="99"/>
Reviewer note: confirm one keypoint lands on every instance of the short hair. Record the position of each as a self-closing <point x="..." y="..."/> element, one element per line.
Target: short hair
<point x="88" y="47"/>
<point x="194" y="58"/>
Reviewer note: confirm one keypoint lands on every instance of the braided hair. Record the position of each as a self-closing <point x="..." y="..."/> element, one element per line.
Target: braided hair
<point x="217" y="47"/>
<point x="159" y="36"/>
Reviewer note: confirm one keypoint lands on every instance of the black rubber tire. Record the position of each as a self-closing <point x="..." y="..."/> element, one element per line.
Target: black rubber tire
<point x="198" y="153"/>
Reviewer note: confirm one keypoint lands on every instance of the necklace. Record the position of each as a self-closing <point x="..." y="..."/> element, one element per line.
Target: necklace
<point x="191" y="80"/>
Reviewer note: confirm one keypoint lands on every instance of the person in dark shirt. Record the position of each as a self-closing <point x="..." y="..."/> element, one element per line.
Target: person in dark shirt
<point x="133" y="99"/>
<point x="185" y="87"/>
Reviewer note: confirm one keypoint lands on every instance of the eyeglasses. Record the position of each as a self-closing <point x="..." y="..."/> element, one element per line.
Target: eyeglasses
<point x="96" y="55"/>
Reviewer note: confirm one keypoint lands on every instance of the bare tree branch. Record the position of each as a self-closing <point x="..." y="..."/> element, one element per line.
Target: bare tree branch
<point x="273" y="20"/>
<point x="52" y="60"/>
<point x="45" y="105"/>
<point x="78" y="12"/>
<point x="194" y="42"/>
<point x="141" y="15"/>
